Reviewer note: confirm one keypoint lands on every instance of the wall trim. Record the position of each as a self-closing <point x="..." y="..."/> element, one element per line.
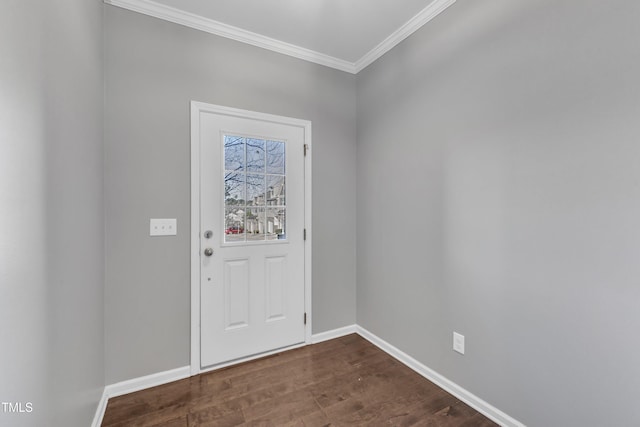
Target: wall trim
<point x="137" y="384"/>
<point x="197" y="22"/>
<point x="446" y="384"/>
<point x="191" y="20"/>
<point x="335" y="333"/>
<point x="411" y="26"/>
<point x="148" y="381"/>
<point x="102" y="406"/>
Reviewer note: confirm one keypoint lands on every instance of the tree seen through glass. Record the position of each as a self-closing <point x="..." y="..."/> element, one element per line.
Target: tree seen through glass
<point x="254" y="189"/>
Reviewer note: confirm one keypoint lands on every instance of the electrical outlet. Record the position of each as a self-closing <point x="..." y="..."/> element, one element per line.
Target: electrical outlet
<point x="458" y="342"/>
<point x="163" y="227"/>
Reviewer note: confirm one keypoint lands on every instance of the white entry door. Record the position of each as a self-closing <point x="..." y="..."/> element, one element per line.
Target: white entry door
<point x="252" y="235"/>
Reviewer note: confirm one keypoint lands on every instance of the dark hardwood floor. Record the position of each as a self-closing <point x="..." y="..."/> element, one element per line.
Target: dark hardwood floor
<point x="342" y="382"/>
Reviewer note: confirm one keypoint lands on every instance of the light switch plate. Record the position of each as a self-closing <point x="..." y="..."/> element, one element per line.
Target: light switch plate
<point x="458" y="342"/>
<point x="163" y="227"/>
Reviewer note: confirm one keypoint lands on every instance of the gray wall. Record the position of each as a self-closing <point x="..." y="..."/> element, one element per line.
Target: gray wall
<point x="51" y="210"/>
<point x="153" y="70"/>
<point x="499" y="196"/>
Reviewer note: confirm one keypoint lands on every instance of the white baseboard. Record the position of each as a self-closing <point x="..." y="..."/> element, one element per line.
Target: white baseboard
<point x="137" y="384"/>
<point x="464" y="395"/>
<point x="148" y="381"/>
<point x="335" y="333"/>
<point x="102" y="406"/>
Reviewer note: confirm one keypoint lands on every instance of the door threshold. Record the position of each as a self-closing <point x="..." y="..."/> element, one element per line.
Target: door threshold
<point x="251" y="358"/>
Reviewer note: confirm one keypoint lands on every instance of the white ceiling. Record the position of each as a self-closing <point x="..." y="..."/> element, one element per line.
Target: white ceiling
<point x="344" y="34"/>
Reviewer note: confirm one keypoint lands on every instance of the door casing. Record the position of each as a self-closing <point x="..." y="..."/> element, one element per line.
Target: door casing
<point x="197" y="108"/>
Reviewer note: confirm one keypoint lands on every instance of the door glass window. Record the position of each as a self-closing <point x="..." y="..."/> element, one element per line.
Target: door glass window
<point x="254" y="189"/>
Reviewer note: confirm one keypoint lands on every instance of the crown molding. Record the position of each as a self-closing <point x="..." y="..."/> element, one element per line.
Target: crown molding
<point x="177" y="16"/>
<point x="414" y="24"/>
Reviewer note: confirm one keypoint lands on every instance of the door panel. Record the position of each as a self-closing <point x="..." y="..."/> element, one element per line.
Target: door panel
<point x="236" y="294"/>
<point x="275" y="276"/>
<point x="252" y="291"/>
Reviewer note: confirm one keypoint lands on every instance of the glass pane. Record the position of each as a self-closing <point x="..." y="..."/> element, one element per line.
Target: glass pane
<point x="233" y="153"/>
<point x="255" y="155"/>
<point x="255" y="224"/>
<point x="254" y="178"/>
<point x="234" y="224"/>
<point x="255" y="190"/>
<point x="234" y="185"/>
<point x="275" y="190"/>
<point x="276" y="223"/>
<point x="275" y="157"/>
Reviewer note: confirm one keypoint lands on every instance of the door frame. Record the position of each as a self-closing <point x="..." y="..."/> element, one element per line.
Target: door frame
<point x="198" y="108"/>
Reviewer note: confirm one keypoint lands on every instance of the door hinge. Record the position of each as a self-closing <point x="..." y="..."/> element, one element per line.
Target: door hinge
<point x="304" y="234"/>
<point x="305" y="318"/>
<point x="306" y="148"/>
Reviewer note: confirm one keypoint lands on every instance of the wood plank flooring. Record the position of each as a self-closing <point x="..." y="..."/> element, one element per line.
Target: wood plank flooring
<point x="343" y="382"/>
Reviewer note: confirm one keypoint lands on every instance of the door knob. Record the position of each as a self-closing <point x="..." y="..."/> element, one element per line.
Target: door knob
<point x="208" y="251"/>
